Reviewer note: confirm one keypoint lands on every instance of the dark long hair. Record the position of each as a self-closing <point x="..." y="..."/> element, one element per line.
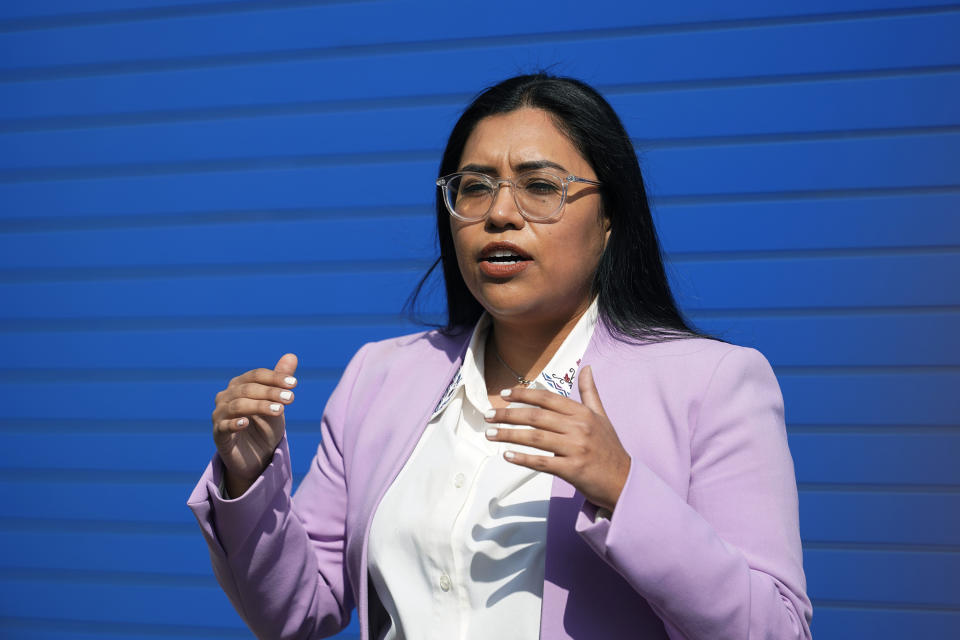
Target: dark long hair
<point x="634" y="297"/>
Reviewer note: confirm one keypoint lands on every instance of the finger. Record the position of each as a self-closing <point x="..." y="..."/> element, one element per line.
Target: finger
<point x="547" y="464"/>
<point x="245" y="407"/>
<point x="249" y="399"/>
<point x="541" y="398"/>
<point x="269" y="377"/>
<point x="588" y="391"/>
<point x="257" y="391"/>
<point x="536" y="438"/>
<point x="529" y="416"/>
<point x="287" y="365"/>
<point x="232" y="425"/>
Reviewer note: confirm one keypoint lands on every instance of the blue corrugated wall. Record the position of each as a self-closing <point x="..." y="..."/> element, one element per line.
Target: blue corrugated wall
<point x="188" y="189"/>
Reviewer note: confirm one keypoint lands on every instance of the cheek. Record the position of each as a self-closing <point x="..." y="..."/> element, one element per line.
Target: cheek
<point x="461" y="249"/>
<point x="581" y="245"/>
<point x="593" y="250"/>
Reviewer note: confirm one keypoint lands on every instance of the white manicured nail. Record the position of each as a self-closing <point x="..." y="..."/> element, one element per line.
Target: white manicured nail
<point x="242" y="422"/>
<point x="509" y="455"/>
<point x="505" y="393"/>
<point x="290" y="380"/>
<point x="489" y="413"/>
<point x="492" y="433"/>
<point x="275" y="407"/>
<point x="286" y="395"/>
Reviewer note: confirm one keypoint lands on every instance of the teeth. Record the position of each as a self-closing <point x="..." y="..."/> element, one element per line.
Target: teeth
<point x="500" y="253"/>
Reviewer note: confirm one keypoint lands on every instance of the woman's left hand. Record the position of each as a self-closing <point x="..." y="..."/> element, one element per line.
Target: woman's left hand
<point x="587" y="451"/>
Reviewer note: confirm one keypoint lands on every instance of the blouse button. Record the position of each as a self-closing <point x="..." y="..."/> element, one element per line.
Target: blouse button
<point x="459" y="479"/>
<point x="444" y="582"/>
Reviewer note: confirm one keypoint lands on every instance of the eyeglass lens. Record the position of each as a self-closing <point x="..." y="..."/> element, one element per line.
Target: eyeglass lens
<point x="538" y="194"/>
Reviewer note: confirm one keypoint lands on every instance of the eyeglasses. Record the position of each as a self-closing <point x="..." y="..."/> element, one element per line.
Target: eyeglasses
<point x="539" y="195"/>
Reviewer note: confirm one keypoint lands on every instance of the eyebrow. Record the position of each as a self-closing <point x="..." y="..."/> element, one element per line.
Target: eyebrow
<point x="531" y="165"/>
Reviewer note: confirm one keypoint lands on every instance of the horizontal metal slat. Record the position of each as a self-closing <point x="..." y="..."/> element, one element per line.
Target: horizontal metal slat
<point x="331" y="187"/>
<point x="186" y="556"/>
<point x="814" y="283"/>
<point x="326" y="240"/>
<point x="38" y="629"/>
<point x="877" y="399"/>
<point x="897" y="578"/>
<point x="57" y="9"/>
<point x="846" y="620"/>
<point x="873" y="516"/>
<point x="333" y="25"/>
<point x="141" y="553"/>
<point x="223" y="348"/>
<point x="357" y="292"/>
<point x="118" y="602"/>
<point x="914" y="162"/>
<point x="876" y="459"/>
<point x="815" y="398"/>
<point x="922" y="579"/>
<point x="801" y="339"/>
<point x="148" y="400"/>
<point x="876" y="339"/>
<point x="662" y="117"/>
<point x="837" y="283"/>
<point x="868" y="516"/>
<point x="784" y="224"/>
<point x="901" y="42"/>
<point x="722" y="229"/>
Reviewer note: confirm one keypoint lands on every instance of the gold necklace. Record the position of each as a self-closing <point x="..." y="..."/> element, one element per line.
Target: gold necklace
<point x="520" y="378"/>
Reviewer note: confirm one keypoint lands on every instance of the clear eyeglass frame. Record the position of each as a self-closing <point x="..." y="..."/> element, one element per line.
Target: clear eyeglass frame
<point x="496" y="183"/>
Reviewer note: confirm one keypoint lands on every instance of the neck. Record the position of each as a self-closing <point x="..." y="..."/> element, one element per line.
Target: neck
<point x="527" y="347"/>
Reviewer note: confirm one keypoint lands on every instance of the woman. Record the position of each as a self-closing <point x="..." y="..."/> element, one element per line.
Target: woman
<point x="567" y="458"/>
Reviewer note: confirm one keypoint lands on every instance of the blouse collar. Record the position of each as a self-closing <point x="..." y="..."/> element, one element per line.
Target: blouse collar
<point x="558" y="376"/>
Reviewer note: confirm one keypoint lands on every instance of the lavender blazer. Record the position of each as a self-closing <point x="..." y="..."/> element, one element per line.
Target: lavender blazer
<point x="704" y="542"/>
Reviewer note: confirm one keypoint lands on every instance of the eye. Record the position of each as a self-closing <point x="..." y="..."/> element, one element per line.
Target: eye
<point x="540" y="186"/>
<point x="472" y="186"/>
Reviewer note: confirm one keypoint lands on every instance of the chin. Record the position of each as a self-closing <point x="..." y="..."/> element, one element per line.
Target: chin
<point x="532" y="311"/>
<point x="516" y="301"/>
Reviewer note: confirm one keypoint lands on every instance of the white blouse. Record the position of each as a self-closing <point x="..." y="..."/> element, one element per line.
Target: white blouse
<point x="457" y="544"/>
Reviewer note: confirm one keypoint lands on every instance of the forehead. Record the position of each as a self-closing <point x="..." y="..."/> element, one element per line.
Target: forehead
<point x="507" y="140"/>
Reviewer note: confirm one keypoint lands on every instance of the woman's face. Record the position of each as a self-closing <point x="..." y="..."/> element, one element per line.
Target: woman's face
<point x="552" y="282"/>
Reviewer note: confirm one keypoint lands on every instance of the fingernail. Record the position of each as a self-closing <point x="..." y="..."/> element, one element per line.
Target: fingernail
<point x="488" y="414"/>
<point x="509" y="455"/>
<point x="242" y="422"/>
<point x="275" y="407"/>
<point x="505" y="393"/>
<point x="492" y="433"/>
<point x="286" y="395"/>
<point x="290" y="380"/>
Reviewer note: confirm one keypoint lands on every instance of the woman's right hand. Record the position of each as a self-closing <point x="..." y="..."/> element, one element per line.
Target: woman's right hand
<point x="248" y="421"/>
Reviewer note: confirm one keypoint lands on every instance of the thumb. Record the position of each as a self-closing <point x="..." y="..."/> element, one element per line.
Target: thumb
<point x="287" y="364"/>
<point x="588" y="391"/>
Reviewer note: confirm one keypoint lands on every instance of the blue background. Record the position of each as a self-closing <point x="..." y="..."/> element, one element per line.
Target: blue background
<point x="190" y="189"/>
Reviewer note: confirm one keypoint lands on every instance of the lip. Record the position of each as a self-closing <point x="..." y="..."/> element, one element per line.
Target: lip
<point x="503" y="246"/>
<point x="502" y="269"/>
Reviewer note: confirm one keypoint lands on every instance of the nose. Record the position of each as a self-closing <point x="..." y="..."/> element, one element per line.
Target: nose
<point x="504" y="211"/>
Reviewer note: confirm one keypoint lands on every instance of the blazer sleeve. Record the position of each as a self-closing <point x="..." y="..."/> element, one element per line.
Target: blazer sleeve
<point x="725" y="560"/>
<point x="279" y="559"/>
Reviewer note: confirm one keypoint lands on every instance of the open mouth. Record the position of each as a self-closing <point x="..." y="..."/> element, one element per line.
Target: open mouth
<point x="503" y="256"/>
<point x="503" y="260"/>
<point x="503" y="253"/>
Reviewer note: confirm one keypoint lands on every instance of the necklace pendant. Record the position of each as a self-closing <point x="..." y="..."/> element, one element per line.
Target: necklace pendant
<point x="520" y="378"/>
